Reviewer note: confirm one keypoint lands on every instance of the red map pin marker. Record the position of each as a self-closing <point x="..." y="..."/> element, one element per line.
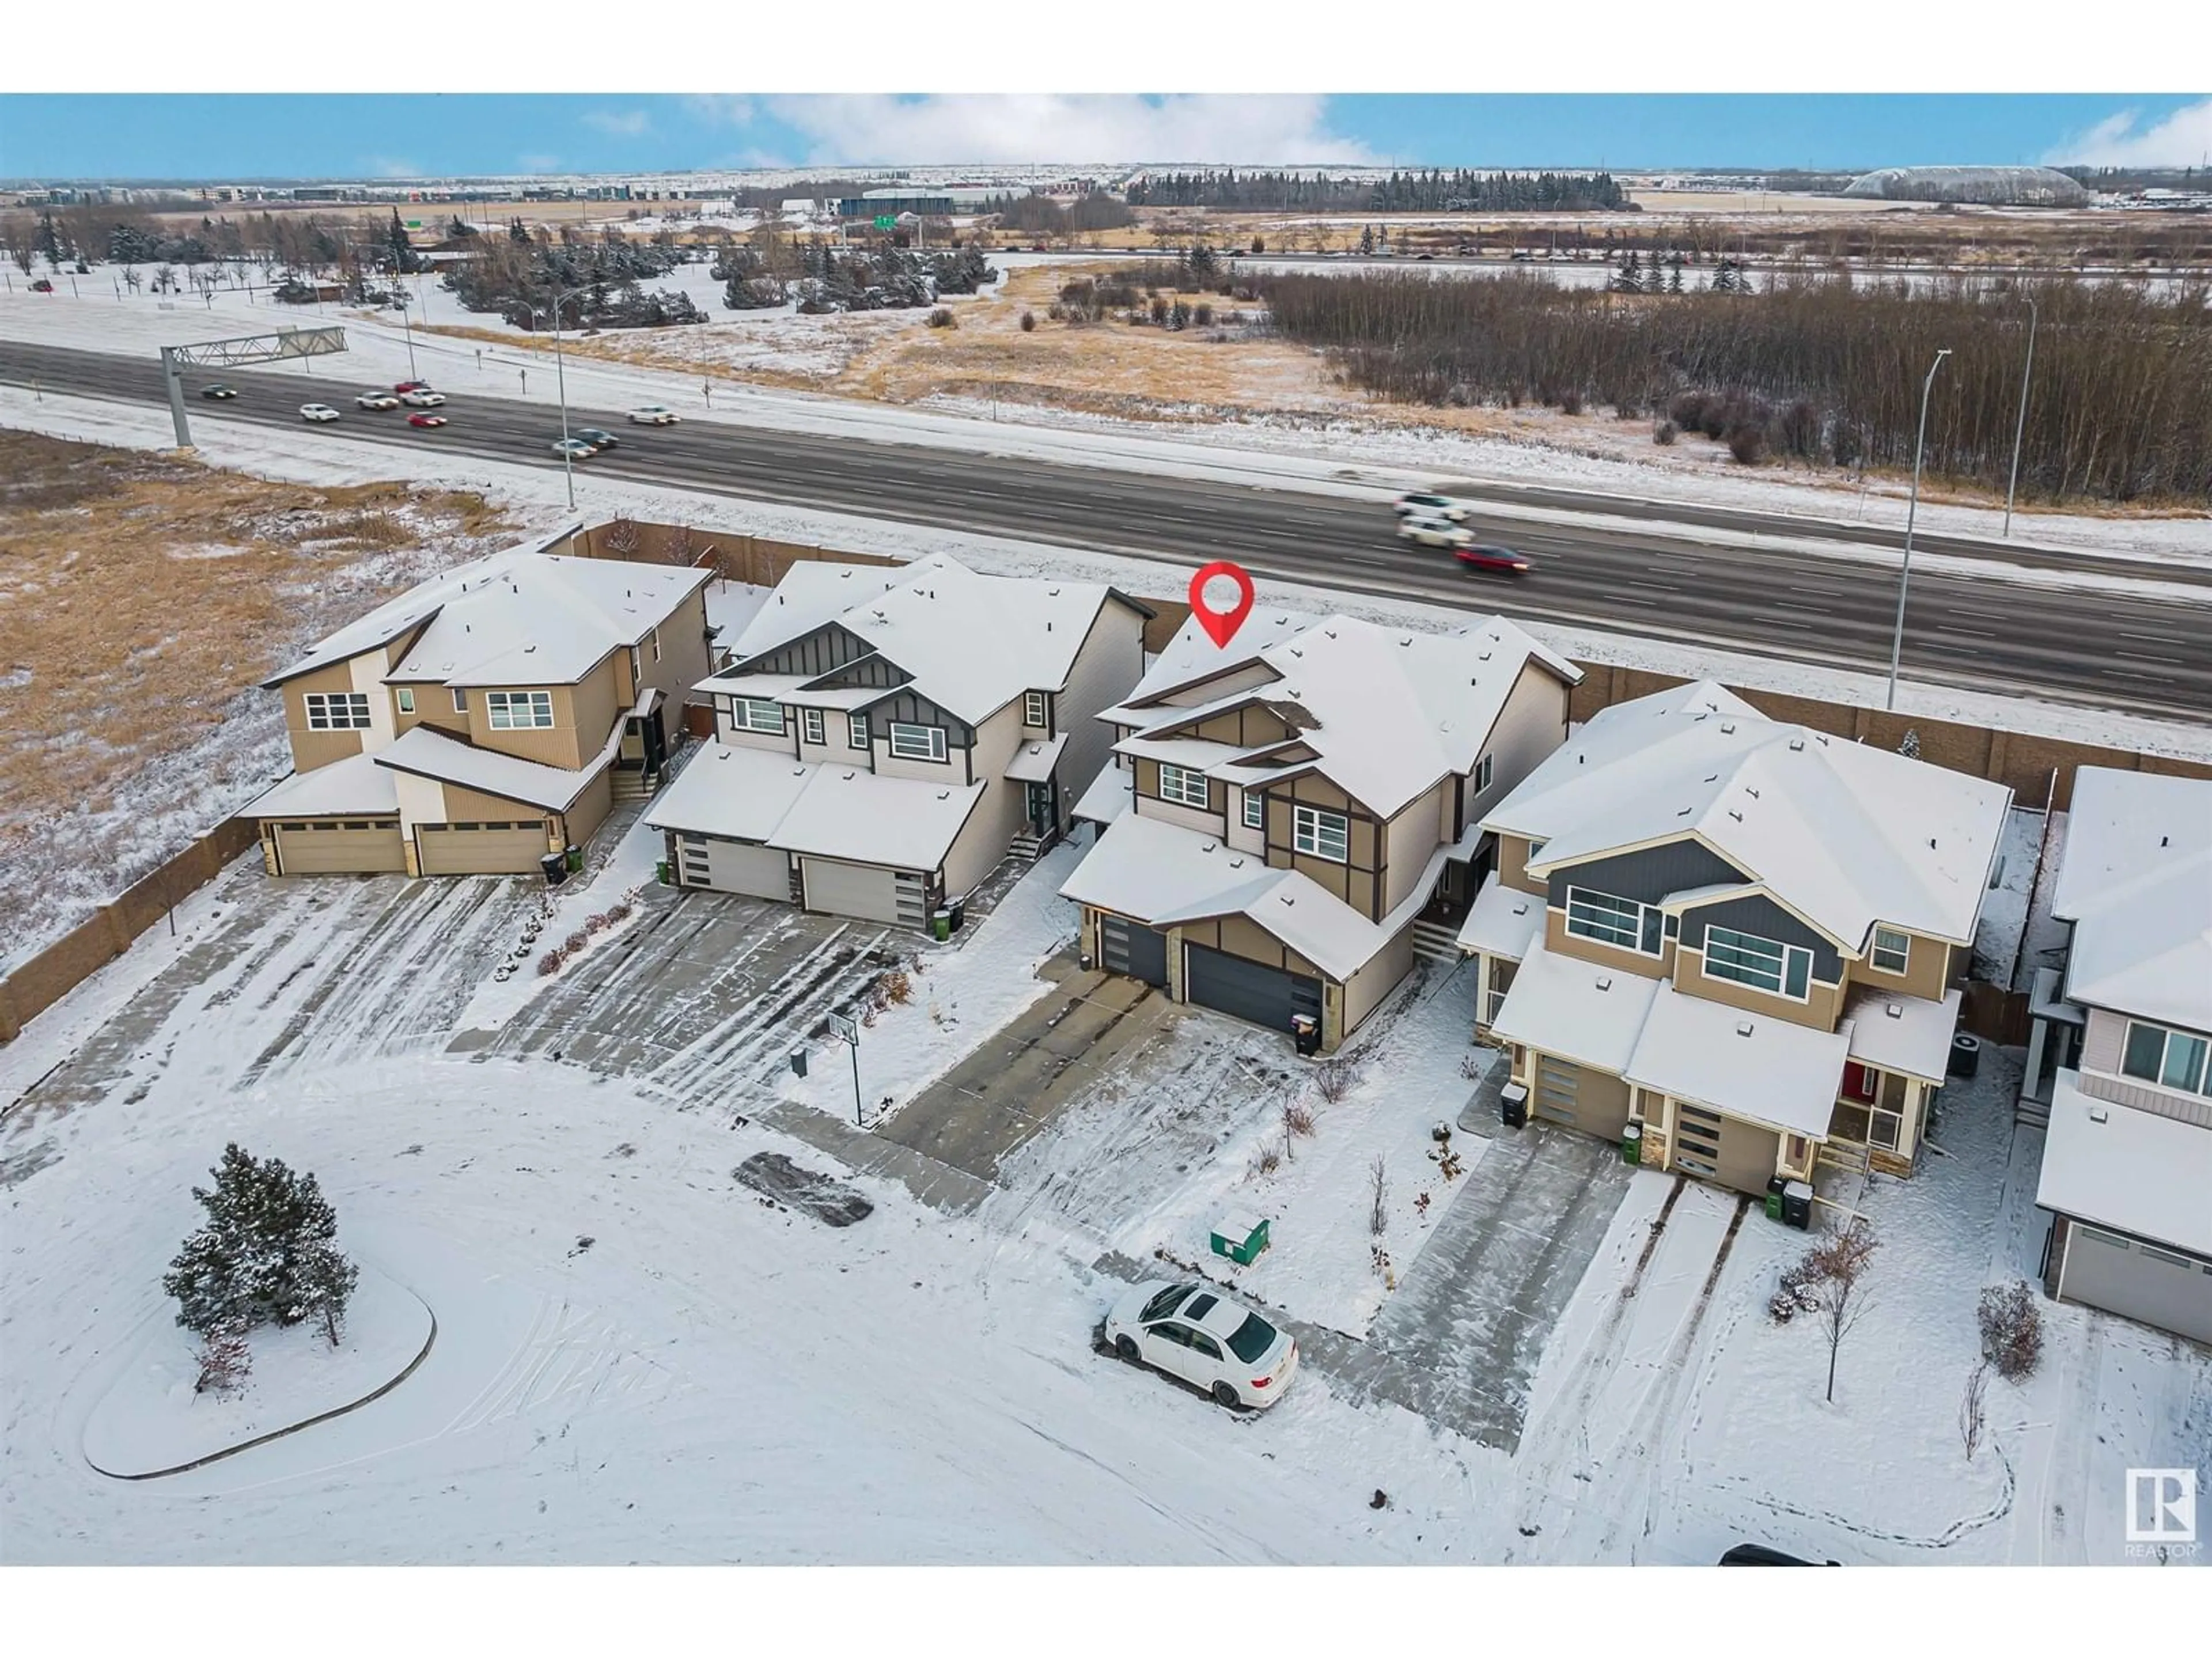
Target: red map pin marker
<point x="1221" y="625"/>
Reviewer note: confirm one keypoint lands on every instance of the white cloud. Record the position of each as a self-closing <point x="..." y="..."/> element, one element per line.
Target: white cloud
<point x="388" y="167"/>
<point x="619" y="123"/>
<point x="536" y="162"/>
<point x="1223" y="129"/>
<point x="2182" y="139"/>
<point x="722" y="109"/>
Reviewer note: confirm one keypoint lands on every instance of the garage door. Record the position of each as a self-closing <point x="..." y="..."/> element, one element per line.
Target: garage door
<point x="1129" y="947"/>
<point x="1597" y="1102"/>
<point x="2139" y="1281"/>
<point x="1250" y="990"/>
<point x="481" y="849"/>
<point x="865" y="890"/>
<point x="1726" y="1150"/>
<point x="330" y="846"/>
<point x="731" y="866"/>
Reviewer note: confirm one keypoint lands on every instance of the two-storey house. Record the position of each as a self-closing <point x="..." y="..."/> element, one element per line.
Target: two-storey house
<point x="2127" y="1160"/>
<point x="483" y="719"/>
<point x="887" y="736"/>
<point x="1730" y="939"/>
<point x="1284" y="813"/>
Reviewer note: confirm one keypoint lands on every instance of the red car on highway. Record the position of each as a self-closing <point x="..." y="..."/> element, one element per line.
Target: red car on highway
<point x="426" y="420"/>
<point x="411" y="385"/>
<point x="1492" y="558"/>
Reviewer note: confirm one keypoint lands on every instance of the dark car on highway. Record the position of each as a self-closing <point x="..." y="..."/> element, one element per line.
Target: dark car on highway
<point x="1483" y="557"/>
<point x="218" y="391"/>
<point x="597" y="438"/>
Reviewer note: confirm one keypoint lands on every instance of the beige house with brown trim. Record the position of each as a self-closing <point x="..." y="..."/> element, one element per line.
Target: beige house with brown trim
<point x="1735" y="942"/>
<point x="1293" y="820"/>
<point x="485" y="719"/>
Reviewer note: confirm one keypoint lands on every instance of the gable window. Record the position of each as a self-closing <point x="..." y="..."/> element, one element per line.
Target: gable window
<point x="1892" y="950"/>
<point x="460" y="700"/>
<point x="1323" y="835"/>
<point x="757" y="713"/>
<point x="1255" y="809"/>
<point x="656" y="645"/>
<point x="636" y="671"/>
<point x="517" y="711"/>
<point x="1618" y="921"/>
<point x="917" y="742"/>
<point x="406" y="699"/>
<point x="811" y="720"/>
<point x="337" y="711"/>
<point x="2172" y="1059"/>
<point x="1482" y="778"/>
<point x="1764" y="965"/>
<point x="856" y="730"/>
<point x="1033" y="710"/>
<point x="1183" y="787"/>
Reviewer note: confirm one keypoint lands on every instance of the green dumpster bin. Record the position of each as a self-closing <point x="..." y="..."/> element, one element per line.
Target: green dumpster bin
<point x="1774" y="1204"/>
<point x="1631" y="1143"/>
<point x="661" y="869"/>
<point x="940" y="924"/>
<point x="575" y="856"/>
<point x="1239" y="1236"/>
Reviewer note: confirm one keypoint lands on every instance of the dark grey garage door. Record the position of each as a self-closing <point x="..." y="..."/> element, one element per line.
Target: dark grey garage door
<point x="1265" y="996"/>
<point x="1129" y="948"/>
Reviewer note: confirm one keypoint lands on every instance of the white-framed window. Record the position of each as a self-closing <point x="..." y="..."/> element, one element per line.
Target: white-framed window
<point x="1322" y="834"/>
<point x="636" y="668"/>
<point x="1764" y="965"/>
<point x="1892" y="950"/>
<point x="337" y="711"/>
<point x="1255" y="809"/>
<point x="1033" y="709"/>
<point x="1627" y="923"/>
<point x="1482" y="774"/>
<point x="1183" y="787"/>
<point x="1535" y="848"/>
<point x="917" y="742"/>
<point x="406" y="699"/>
<point x="460" y="700"/>
<point x="757" y="713"/>
<point x="2172" y="1059"/>
<point x="856" y="730"/>
<point x="811" y="720"/>
<point x="519" y="711"/>
<point x="656" y="645"/>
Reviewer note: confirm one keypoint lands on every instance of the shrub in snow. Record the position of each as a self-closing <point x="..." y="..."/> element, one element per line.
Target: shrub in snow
<point x="1663" y="433"/>
<point x="549" y="963"/>
<point x="1297" y="1120"/>
<point x="268" y="1253"/>
<point x="942" y="317"/>
<point x="1971" y="1418"/>
<point x="1910" y="747"/>
<point x="1335" y="1077"/>
<point x="1795" y="1294"/>
<point x="2012" y="1329"/>
<point x="575" y="941"/>
<point x="618" y="912"/>
<point x="897" y="986"/>
<point x="1028" y="322"/>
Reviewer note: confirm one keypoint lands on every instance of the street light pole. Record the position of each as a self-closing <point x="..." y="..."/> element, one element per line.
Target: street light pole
<point x="2020" y="428"/>
<point x="1904" y="575"/>
<point x="407" y="324"/>
<point x="560" y="375"/>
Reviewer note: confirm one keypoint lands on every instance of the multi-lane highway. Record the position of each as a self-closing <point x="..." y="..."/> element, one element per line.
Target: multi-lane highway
<point x="2110" y="646"/>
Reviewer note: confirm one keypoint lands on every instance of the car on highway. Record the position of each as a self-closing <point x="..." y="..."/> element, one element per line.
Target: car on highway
<point x="1195" y="1334"/>
<point x="218" y="391"/>
<point x="411" y="385"/>
<point x="377" y="400"/>
<point x="42" y="286"/>
<point x="597" y="439"/>
<point x="1429" y="506"/>
<point x="1427" y="532"/>
<point x="654" y="415"/>
<point x="426" y="420"/>
<point x="421" y="396"/>
<point x="1479" y="555"/>
<point x="573" y="449"/>
<point x="318" y="412"/>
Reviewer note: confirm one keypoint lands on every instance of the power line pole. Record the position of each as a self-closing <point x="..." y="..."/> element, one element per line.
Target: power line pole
<point x="2020" y="428"/>
<point x="1904" y="575"/>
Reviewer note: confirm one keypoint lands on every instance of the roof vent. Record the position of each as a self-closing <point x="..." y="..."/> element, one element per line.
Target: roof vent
<point x="2161" y="841"/>
<point x="1743" y="1028"/>
<point x="527" y="649"/>
<point x="1296" y="652"/>
<point x="1521" y="909"/>
<point x="1895" y="1011"/>
<point x="1728" y="725"/>
<point x="1237" y="864"/>
<point x="1048" y="628"/>
<point x="1820" y="738"/>
<point x="1683" y="813"/>
<point x="1712" y="777"/>
<point x="849" y="776"/>
<point x="780" y="599"/>
<point x="1751" y="791"/>
<point x="1408" y="640"/>
<point x="1209" y="847"/>
<point x="945" y="794"/>
<point x="1483" y="657"/>
<point x="1286" y="898"/>
<point x="1052" y="592"/>
<point x="2097" y="1114"/>
<point x="1605" y="982"/>
<point x="1737" y="816"/>
<point x="1796" y="745"/>
<point x="1331" y="632"/>
<point x="1931" y="843"/>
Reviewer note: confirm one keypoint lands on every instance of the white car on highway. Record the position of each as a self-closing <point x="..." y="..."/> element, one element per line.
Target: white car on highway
<point x="422" y="398"/>
<point x="1198" y="1334"/>
<point x="1423" y="504"/>
<point x="376" y="400"/>
<point x="318" y="412"/>
<point x="1435" y="532"/>
<point x="654" y="415"/>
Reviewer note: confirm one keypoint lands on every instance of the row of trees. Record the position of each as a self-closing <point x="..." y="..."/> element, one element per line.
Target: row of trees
<point x="520" y="279"/>
<point x="769" y="271"/>
<point x="1435" y="191"/>
<point x="2121" y="407"/>
<point x="1040" y="216"/>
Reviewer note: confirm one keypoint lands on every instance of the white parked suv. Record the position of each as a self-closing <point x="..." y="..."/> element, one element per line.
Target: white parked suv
<point x="1426" y="505"/>
<point x="1434" y="532"/>
<point x="1197" y="1334"/>
<point x="422" y="398"/>
<point x="318" y="412"/>
<point x="377" y="400"/>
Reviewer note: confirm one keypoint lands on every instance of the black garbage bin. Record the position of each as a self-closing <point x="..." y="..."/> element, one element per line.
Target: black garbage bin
<point x="1797" y="1205"/>
<point x="1966" y="1054"/>
<point x="556" y="867"/>
<point x="959" y="909"/>
<point x="1513" y="1105"/>
<point x="1305" y="1031"/>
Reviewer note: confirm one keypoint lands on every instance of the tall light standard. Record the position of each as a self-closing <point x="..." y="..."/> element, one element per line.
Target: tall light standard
<point x="1905" y="576"/>
<point x="2020" y="428"/>
<point x="407" y="324"/>
<point x="560" y="375"/>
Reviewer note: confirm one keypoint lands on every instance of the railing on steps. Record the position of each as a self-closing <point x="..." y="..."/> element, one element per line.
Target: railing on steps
<point x="1435" y="942"/>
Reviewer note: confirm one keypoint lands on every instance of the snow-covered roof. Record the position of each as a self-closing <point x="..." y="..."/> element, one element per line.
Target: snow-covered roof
<point x="1748" y="1065"/>
<point x="730" y="608"/>
<point x="355" y="785"/>
<point x="1034" y="761"/>
<point x="799" y="689"/>
<point x="828" y="810"/>
<point x="1504" y="922"/>
<point x="1388" y="710"/>
<point x="430" y="753"/>
<point x="1844" y="834"/>
<point x="2136" y="880"/>
<point x="973" y="643"/>
<point x="1111" y="794"/>
<point x="1910" y="1035"/>
<point x="2137" y="1171"/>
<point x="1575" y="1009"/>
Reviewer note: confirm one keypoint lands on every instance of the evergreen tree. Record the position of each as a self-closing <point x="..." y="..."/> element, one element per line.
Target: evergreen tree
<point x="402" y="246"/>
<point x="268" y="1253"/>
<point x="1367" y="238"/>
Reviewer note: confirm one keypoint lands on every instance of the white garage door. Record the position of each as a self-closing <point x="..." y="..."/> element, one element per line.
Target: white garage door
<point x="327" y="846"/>
<point x="2140" y="1281"/>
<point x="863" y="889"/>
<point x="732" y="867"/>
<point x="481" y="849"/>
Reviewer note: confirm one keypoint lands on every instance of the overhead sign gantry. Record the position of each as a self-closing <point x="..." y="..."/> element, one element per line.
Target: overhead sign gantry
<point x="235" y="353"/>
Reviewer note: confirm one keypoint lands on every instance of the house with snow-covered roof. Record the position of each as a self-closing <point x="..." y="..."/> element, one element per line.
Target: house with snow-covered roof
<point x="1734" y="941"/>
<point x="2127" y="1157"/>
<point x="886" y="736"/>
<point x="483" y="719"/>
<point x="1291" y="820"/>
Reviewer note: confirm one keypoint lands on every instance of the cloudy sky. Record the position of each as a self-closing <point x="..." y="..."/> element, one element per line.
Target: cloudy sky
<point x="370" y="135"/>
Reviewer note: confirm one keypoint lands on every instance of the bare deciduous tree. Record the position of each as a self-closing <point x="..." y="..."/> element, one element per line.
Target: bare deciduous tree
<point x="1378" y="1192"/>
<point x="622" y="537"/>
<point x="1840" y="1298"/>
<point x="1970" y="1419"/>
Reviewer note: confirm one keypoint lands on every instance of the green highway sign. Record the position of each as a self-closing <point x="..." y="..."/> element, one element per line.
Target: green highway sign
<point x="887" y="221"/>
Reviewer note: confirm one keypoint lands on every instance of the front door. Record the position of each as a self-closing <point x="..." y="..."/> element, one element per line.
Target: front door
<point x="1041" y="815"/>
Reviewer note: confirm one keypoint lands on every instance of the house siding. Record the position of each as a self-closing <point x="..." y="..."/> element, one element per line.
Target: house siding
<point x="1559" y="942"/>
<point x="912" y="709"/>
<point x="1512" y="865"/>
<point x="1105" y="670"/>
<point x="1531" y="725"/>
<point x="1822" y="1007"/>
<point x="1376" y="978"/>
<point x="683" y="654"/>
<point x="1647" y="875"/>
<point x="311" y="749"/>
<point x="1927" y="967"/>
<point x="1758" y="915"/>
<point x="2102" y="1047"/>
<point x="1409" y="839"/>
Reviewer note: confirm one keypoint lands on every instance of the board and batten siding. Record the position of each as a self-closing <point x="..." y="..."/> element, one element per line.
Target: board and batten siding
<point x="1647" y="875"/>
<point x="1758" y="915"/>
<point x="2102" y="1047"/>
